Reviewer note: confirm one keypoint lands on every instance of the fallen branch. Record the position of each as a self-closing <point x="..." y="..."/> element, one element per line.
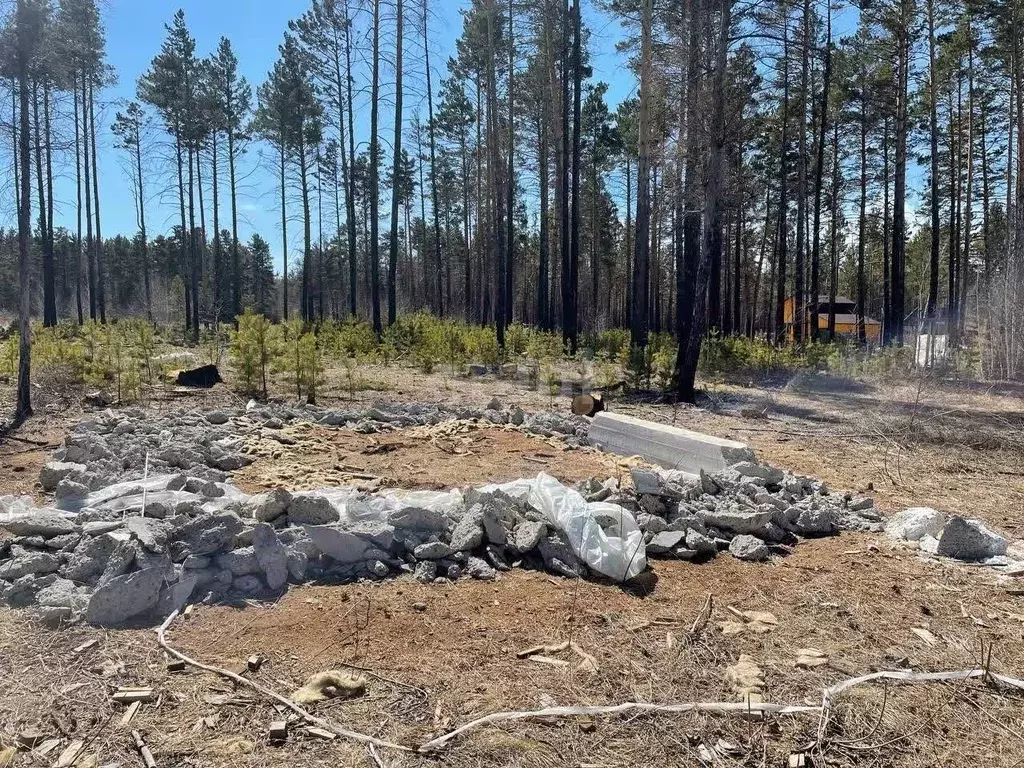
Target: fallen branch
<point x="238" y="679"/>
<point x="722" y="708"/>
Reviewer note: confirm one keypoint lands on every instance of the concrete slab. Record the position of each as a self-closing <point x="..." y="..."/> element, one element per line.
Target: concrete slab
<point x="667" y="446"/>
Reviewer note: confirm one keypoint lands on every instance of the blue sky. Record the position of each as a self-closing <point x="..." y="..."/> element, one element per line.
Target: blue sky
<point x="135" y="30"/>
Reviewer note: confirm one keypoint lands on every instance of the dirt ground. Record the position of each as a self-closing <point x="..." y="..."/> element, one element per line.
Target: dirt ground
<point x="436" y="657"/>
<point x="306" y="456"/>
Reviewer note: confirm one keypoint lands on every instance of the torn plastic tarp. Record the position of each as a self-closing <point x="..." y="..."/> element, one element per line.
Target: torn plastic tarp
<point x="620" y="557"/>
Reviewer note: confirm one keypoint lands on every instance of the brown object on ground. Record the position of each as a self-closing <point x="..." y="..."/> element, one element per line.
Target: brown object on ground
<point x="203" y="377"/>
<point x="587" y="405"/>
<point x="330" y="684"/>
<point x="418" y="458"/>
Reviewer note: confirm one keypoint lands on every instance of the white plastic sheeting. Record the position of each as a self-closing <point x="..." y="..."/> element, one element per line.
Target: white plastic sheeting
<point x="617" y="552"/>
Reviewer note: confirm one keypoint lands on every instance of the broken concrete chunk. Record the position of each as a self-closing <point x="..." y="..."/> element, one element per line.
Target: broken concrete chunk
<point x="208" y="533"/>
<point x="666" y="541"/>
<point x="40" y="522"/>
<point x="527" y="535"/>
<point x="271" y="555"/>
<point x="270" y="506"/>
<point x="54" y="471"/>
<point x="971" y="540"/>
<point x="735" y="519"/>
<point x="419" y="519"/>
<point x="426" y="571"/>
<point x="770" y="475"/>
<point x="310" y="509"/>
<point x="469" y="531"/>
<point x="337" y="544"/>
<point x="432" y="550"/>
<point x="646" y="481"/>
<point x="479" y="569"/>
<point x="913" y="523"/>
<point x="746" y="547"/>
<point x="125" y="597"/>
<point x="151" y="534"/>
<point x="29" y="564"/>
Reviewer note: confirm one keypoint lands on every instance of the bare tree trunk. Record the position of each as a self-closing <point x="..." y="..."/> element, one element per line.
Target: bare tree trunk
<point x="101" y="302"/>
<point x="819" y="168"/>
<point x="543" y="278"/>
<point x="799" y="297"/>
<point x="438" y="257"/>
<point x="349" y="173"/>
<point x="641" y="259"/>
<point x="899" y="227"/>
<point x="397" y="143"/>
<point x="78" y="205"/>
<point x="833" y="283"/>
<point x="571" y="313"/>
<point x="862" y="288"/>
<point x="49" y="285"/>
<point x="933" y="133"/>
<point x="686" y="365"/>
<point x="510" y="184"/>
<point x="783" y="230"/>
<point x="374" y="175"/>
<point x="142" y="226"/>
<point x="23" y="399"/>
<point x="284" y="226"/>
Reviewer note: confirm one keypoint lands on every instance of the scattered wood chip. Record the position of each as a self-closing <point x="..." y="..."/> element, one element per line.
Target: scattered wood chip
<point x="129" y="695"/>
<point x="30" y="737"/>
<point x="320" y="733"/>
<point x="7" y="756"/>
<point x="810" y="657"/>
<point x="670" y="641"/>
<point x="85" y="646"/>
<point x="589" y="663"/>
<point x="798" y="760"/>
<point x="254" y="662"/>
<point x="70" y="754"/>
<point x="925" y="635"/>
<point x="46" y="747"/>
<point x="129" y="714"/>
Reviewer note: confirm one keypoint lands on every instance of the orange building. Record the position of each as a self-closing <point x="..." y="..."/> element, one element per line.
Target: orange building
<point x="847" y="319"/>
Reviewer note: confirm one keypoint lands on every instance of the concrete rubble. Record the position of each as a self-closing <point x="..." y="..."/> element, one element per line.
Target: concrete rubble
<point x="952" y="536"/>
<point x="96" y="556"/>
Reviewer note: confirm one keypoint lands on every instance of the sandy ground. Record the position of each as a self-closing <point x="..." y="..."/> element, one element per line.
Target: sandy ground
<point x="855" y="597"/>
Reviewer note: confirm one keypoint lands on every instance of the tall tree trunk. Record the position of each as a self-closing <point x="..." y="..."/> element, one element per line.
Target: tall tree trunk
<point x="899" y="233"/>
<point x="397" y="143"/>
<point x="494" y="168"/>
<point x="89" y="244"/>
<point x="194" y="261"/>
<point x="101" y="302"/>
<point x="571" y="314"/>
<point x="543" y="284"/>
<point x="819" y="167"/>
<point x="49" y="194"/>
<point x="799" y="297"/>
<point x="641" y="259"/>
<point x="23" y="398"/>
<point x="510" y="184"/>
<point x="78" y="204"/>
<point x="350" y="186"/>
<point x="965" y="260"/>
<point x="783" y="230"/>
<point x="886" y="233"/>
<point x="564" y="189"/>
<point x="686" y="272"/>
<point x="438" y="256"/>
<point x="307" y="234"/>
<point x="833" y="283"/>
<point x="374" y="175"/>
<point x="142" y="226"/>
<point x="862" y="287"/>
<point x="236" y="268"/>
<point x="49" y="284"/>
<point x="627" y="246"/>
<point x="218" y="269"/>
<point x="933" y="135"/>
<point x="284" y="225"/>
<point x="737" y="256"/>
<point x="183" y="233"/>
<point x="688" y="358"/>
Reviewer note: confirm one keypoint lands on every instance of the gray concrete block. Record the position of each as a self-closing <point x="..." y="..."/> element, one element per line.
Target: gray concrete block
<point x="667" y="446"/>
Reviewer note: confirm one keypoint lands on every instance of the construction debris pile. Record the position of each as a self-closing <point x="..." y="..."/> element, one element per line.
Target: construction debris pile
<point x="117" y="548"/>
